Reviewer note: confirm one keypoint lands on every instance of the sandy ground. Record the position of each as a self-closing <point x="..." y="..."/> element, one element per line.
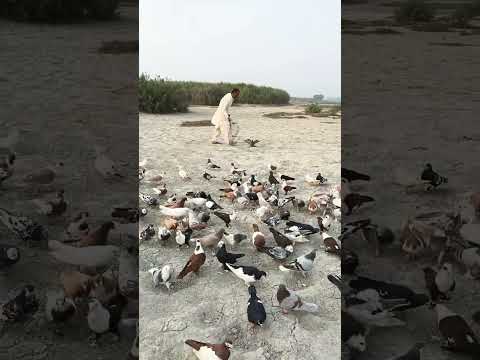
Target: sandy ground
<point x="409" y="95"/>
<point x="212" y="306"/>
<point x="61" y="109"/>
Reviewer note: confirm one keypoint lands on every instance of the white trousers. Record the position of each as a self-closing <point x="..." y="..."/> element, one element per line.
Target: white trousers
<point x="223" y="132"/>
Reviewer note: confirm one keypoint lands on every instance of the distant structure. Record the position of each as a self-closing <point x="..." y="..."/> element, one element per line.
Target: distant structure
<point x="318" y="98"/>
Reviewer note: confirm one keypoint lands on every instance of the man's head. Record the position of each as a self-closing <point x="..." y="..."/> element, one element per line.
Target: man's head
<point x="235" y="93"/>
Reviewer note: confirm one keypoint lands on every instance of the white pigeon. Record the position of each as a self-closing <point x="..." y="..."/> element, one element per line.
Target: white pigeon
<point x="89" y="256"/>
<point x="182" y="173"/>
<point x="196" y="203"/>
<point x="98" y="317"/>
<point x="262" y="202"/>
<point x="165" y="276"/>
<point x="104" y="165"/>
<point x="311" y="180"/>
<point x="176" y="213"/>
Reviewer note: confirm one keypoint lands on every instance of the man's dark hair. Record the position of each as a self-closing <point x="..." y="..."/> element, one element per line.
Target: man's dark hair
<point x="235" y="90"/>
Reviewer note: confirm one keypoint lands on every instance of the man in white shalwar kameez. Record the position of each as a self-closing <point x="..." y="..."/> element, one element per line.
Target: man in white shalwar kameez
<point x="221" y="119"/>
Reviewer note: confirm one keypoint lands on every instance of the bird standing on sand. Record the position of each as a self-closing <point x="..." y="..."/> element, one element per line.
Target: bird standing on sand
<point x="290" y="301"/>
<point x="165" y="276"/>
<point x="98" y="236"/>
<point x="272" y="179"/>
<point x="256" y="313"/>
<point x="258" y="238"/>
<point x="252" y="142"/>
<point x="207" y="351"/>
<point x="102" y="319"/>
<point x="224" y="257"/>
<point x="194" y="262"/>
<point x="104" y="165"/>
<point x="182" y="173"/>
<point x="431" y="178"/>
<point x="441" y="283"/>
<point x="207" y="176"/>
<point x="227" y="218"/>
<point x="276" y="252"/>
<point x="9" y="255"/>
<point x="249" y="274"/>
<point x="354" y="200"/>
<point x="148" y="199"/>
<point x="211" y="165"/>
<point x="282" y="240"/>
<point x="351" y="175"/>
<point x="211" y="240"/>
<point x="458" y="335"/>
<point x="287" y="188"/>
<point x="303" y="263"/>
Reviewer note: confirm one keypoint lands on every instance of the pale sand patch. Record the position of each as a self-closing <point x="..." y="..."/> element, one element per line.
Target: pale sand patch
<point x="213" y="305"/>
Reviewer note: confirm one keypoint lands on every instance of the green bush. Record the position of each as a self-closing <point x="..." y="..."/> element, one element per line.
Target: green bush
<point x="153" y="94"/>
<point x="158" y="96"/>
<point x="313" y="109"/>
<point x="412" y="11"/>
<point x="58" y="11"/>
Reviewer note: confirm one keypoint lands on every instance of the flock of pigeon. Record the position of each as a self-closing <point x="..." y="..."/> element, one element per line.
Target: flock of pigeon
<point x="98" y="282"/>
<point x="369" y="303"/>
<point x="188" y="221"/>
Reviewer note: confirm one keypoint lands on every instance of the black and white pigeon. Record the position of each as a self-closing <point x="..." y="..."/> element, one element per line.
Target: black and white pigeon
<point x="147" y="233"/>
<point x="281" y="239"/>
<point x="182" y="237"/>
<point x="51" y="206"/>
<point x="211" y="204"/>
<point x="354" y="200"/>
<point x="249" y="274"/>
<point x="25" y="228"/>
<point x="352" y="175"/>
<point x="234" y="170"/>
<point x="304" y="229"/>
<point x="163" y="233"/>
<point x="104" y="318"/>
<point x="148" y="199"/>
<point x="439" y="284"/>
<point x="208" y="176"/>
<point x="9" y="255"/>
<point x="227" y="218"/>
<point x="234" y="239"/>
<point x="143" y="212"/>
<point x="211" y="165"/>
<point x="255" y="310"/>
<point x="391" y="291"/>
<point x="252" y="142"/>
<point x="165" y="275"/>
<point x="272" y="179"/>
<point x="197" y="194"/>
<point x="287" y="188"/>
<point x="290" y="301"/>
<point x="354" y="333"/>
<point x="277" y="252"/>
<point x="21" y="303"/>
<point x="273" y="220"/>
<point x="303" y="263"/>
<point x="286" y="178"/>
<point x="457" y="334"/>
<point x="320" y="178"/>
<point x="224" y="257"/>
<point x="431" y="179"/>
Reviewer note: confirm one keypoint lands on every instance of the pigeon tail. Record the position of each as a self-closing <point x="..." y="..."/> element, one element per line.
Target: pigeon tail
<point x="309" y="307"/>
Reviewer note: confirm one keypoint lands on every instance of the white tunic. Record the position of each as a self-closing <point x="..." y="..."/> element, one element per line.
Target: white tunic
<point x="223" y="110"/>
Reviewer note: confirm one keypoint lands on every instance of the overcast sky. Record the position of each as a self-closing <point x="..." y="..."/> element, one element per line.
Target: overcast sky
<point x="293" y="45"/>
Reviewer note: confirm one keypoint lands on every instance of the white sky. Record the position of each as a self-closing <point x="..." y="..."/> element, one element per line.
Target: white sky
<point x="293" y="45"/>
